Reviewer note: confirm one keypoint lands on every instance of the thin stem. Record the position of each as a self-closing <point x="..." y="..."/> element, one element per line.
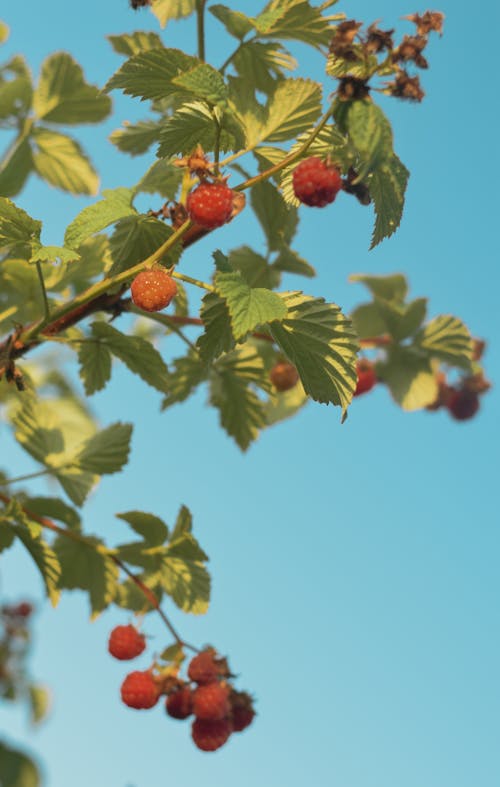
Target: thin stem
<point x="190" y="280"/>
<point x="217" y="144"/>
<point x="163" y="319"/>
<point x="231" y="57"/>
<point x="200" y="27"/>
<point x="44" y="291"/>
<point x="27" y="477"/>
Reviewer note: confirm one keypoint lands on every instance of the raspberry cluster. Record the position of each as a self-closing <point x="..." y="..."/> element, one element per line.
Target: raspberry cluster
<point x="206" y="693"/>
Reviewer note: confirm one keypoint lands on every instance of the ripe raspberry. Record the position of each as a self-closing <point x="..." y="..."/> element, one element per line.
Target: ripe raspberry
<point x="203" y="668"/>
<point x="463" y="404"/>
<point x="242" y="712"/>
<point x="179" y="704"/>
<point x="210" y="205"/>
<point x="316" y="183"/>
<point x="284" y="376"/>
<point x="211" y="702"/>
<point x="153" y="289"/>
<point x="210" y="735"/>
<point x="366" y="377"/>
<point x="126" y="643"/>
<point x="139" y="690"/>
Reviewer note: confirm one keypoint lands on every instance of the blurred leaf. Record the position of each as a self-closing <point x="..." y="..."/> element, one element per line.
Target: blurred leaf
<point x="17" y="228"/>
<point x="183" y="523"/>
<point x="392" y="288"/>
<point x="86" y="566"/>
<point x="40" y="702"/>
<point x="184" y="377"/>
<point x="236" y="23"/>
<point x="63" y="95"/>
<point x="54" y="254"/>
<point x="136" y="138"/>
<point x="448" y="339"/>
<point x="261" y="64"/>
<point x="217" y="336"/>
<point x="137" y="354"/>
<point x="166" y="10"/>
<point x="54" y="508"/>
<point x="18" y="770"/>
<point x="95" y="365"/>
<point x="152" y="529"/>
<point x="161" y="178"/>
<point x="116" y="204"/>
<point x="133" y="43"/>
<point x="107" y="451"/>
<point x="278" y="220"/>
<point x="15" y="168"/>
<point x="60" y="161"/>
<point x="291" y="262"/>
<point x="254" y="268"/>
<point x="409" y="378"/>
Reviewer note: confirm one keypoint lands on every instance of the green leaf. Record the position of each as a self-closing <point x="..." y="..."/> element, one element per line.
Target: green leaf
<point x="319" y="340"/>
<point x="187" y="374"/>
<point x="278" y="220"/>
<point x="204" y="82"/>
<point x="7" y="537"/>
<point x="254" y="268"/>
<point x="391" y="288"/>
<point x="149" y="75"/>
<point x="174" y="654"/>
<point x="60" y="161"/>
<point x="54" y="508"/>
<point x="447" y="338"/>
<point x="236" y="23"/>
<point x="261" y="65"/>
<point x="183" y="523"/>
<point x="107" y="451"/>
<point x="95" y="366"/>
<point x="137" y="354"/>
<point x="136" y="138"/>
<point x="135" y="238"/>
<point x="294" y="106"/>
<point x="39" y="698"/>
<point x="184" y="576"/>
<point x="409" y="378"/>
<point x="153" y="529"/>
<point x="54" y="254"/>
<point x="217" y="337"/>
<point x="28" y="532"/>
<point x="18" y="770"/>
<point x="161" y="178"/>
<point x="369" y="131"/>
<point x="117" y="204"/>
<point x="297" y="20"/>
<point x="15" y="168"/>
<point x="17" y="228"/>
<point x="368" y="321"/>
<point x="86" y="566"/>
<point x="16" y="91"/>
<point x="387" y="187"/>
<point x="166" y="10"/>
<point x="194" y="124"/>
<point x="248" y="307"/>
<point x="412" y="318"/>
<point x="133" y="43"/>
<point x="284" y="405"/>
<point x="290" y="261"/>
<point x="359" y="65"/>
<point x="232" y="392"/>
<point x="63" y="95"/>
<point x="76" y="484"/>
<point x="4" y="32"/>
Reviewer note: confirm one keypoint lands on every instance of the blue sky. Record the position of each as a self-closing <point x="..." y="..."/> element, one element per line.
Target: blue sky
<point x="355" y="567"/>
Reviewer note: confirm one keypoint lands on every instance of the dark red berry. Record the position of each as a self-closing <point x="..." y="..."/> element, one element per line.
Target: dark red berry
<point x="284" y="376"/>
<point x="153" y="290"/>
<point x="210" y="205"/>
<point x="242" y="712"/>
<point x="23" y="610"/>
<point x="211" y="702"/>
<point x="125" y="643"/>
<point x="316" y="183"/>
<point x="463" y="404"/>
<point x="139" y="690"/>
<point x="179" y="704"/>
<point x="203" y="667"/>
<point x="366" y="377"/>
<point x="210" y="735"/>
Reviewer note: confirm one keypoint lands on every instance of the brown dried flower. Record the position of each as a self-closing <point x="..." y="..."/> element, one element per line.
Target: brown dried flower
<point x="428" y="22"/>
<point x="406" y="87"/>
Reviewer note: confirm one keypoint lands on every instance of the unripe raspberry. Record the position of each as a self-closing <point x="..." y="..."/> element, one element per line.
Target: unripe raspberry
<point x="463" y="404"/>
<point x="179" y="704"/>
<point x="366" y="377"/>
<point x="211" y="702"/>
<point x="210" y="735"/>
<point x="203" y="668"/>
<point x="210" y="205"/>
<point x="242" y="712"/>
<point x="284" y="376"/>
<point x="153" y="290"/>
<point x="316" y="183"/>
<point x="140" y="691"/>
<point x="125" y="643"/>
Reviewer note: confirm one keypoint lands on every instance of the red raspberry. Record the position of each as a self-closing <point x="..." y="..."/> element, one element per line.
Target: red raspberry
<point x="211" y="702"/>
<point x="126" y="643"/>
<point x="139" y="690"/>
<point x="23" y="610"/>
<point x="210" y="735"/>
<point x="203" y="668"/>
<point x="366" y="377"/>
<point x="153" y="289"/>
<point x="463" y="404"/>
<point x="210" y="205"/>
<point x="242" y="712"/>
<point x="284" y="376"/>
<point x="179" y="704"/>
<point x="316" y="183"/>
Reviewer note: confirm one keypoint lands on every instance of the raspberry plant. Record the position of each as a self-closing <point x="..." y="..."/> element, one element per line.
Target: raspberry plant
<point x="241" y="135"/>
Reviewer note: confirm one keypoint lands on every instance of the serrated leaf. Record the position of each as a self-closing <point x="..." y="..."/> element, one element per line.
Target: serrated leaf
<point x="254" y="268"/>
<point x="137" y="354"/>
<point x="204" y="82"/>
<point x="447" y="338"/>
<point x="54" y="254"/>
<point x="54" y="508"/>
<point x="85" y="566"/>
<point x="410" y="379"/>
<point x="183" y="523"/>
<point x="43" y="555"/>
<point x="391" y="288"/>
<point x="232" y="392"/>
<point x="294" y="106"/>
<point x="174" y="654"/>
<point x="361" y="68"/>
<point x="295" y="19"/>
<point x="133" y="43"/>
<point x="248" y="307"/>
<point x="277" y="219"/>
<point x="135" y="238"/>
<point x="17" y="228"/>
<point x="320" y="341"/>
<point x="185" y="376"/>
<point x="186" y="579"/>
<point x="60" y="161"/>
<point x="117" y="204"/>
<point x="194" y="124"/>
<point x="153" y="529"/>
<point x="107" y="451"/>
<point x="15" y="168"/>
<point x="149" y="75"/>
<point x="18" y="770"/>
<point x="76" y="484"/>
<point x="217" y="337"/>
<point x="166" y="10"/>
<point x="129" y="596"/>
<point x="236" y="23"/>
<point x="369" y="131"/>
<point x="95" y="365"/>
<point x="39" y="698"/>
<point x="261" y="64"/>
<point x="136" y="138"/>
<point x="161" y="178"/>
<point x="387" y="187"/>
<point x="63" y="95"/>
<point x="290" y="261"/>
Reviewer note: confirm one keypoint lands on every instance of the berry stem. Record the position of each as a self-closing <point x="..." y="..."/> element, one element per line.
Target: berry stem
<point x="190" y="280"/>
<point x="162" y="319"/>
